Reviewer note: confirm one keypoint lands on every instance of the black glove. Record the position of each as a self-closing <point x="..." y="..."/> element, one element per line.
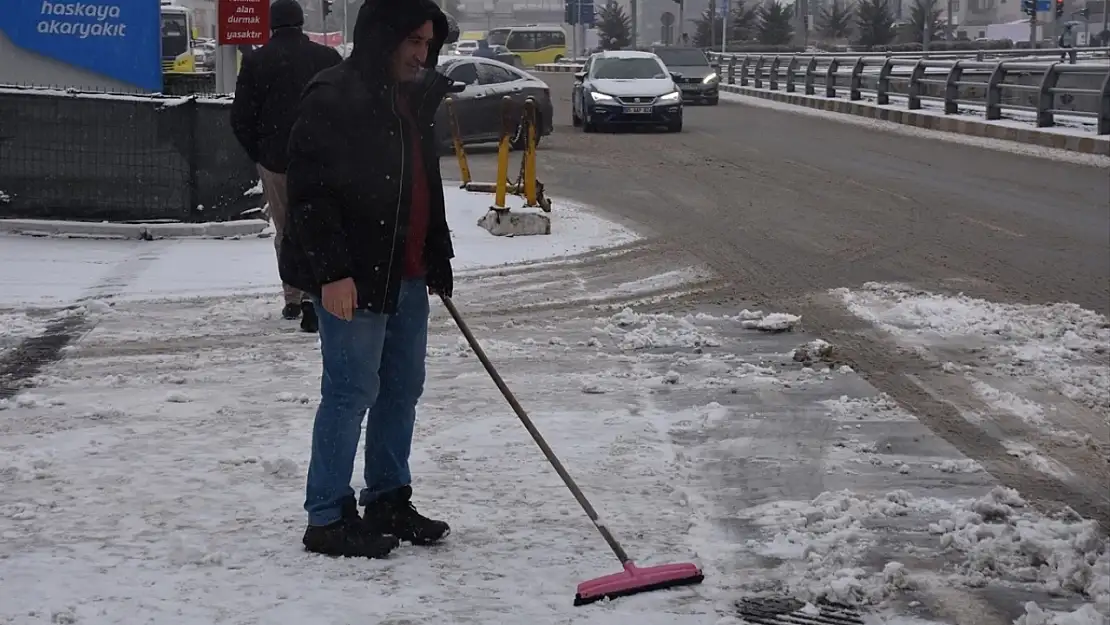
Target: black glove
<point x="440" y="278"/>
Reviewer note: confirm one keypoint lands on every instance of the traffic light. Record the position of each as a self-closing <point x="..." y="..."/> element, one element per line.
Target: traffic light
<point x="1028" y="7"/>
<point x="325" y="5"/>
<point x="1059" y="8"/>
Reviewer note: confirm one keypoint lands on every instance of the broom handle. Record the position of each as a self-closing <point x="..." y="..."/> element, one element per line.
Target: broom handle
<point x="536" y="436"/>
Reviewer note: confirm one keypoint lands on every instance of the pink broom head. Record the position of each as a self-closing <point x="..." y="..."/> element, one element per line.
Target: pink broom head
<point x="634" y="580"/>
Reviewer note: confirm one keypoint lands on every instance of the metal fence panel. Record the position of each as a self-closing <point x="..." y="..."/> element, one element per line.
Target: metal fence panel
<point x="88" y="156"/>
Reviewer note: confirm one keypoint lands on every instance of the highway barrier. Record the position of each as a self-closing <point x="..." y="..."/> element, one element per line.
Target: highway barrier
<point x="1041" y="89"/>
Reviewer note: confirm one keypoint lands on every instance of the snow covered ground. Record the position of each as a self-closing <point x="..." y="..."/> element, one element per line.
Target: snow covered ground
<point x="155" y="474"/>
<point x="65" y="270"/>
<point x="1040" y="373"/>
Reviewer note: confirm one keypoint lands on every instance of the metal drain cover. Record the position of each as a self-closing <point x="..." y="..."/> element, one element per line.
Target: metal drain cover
<point x="788" y="611"/>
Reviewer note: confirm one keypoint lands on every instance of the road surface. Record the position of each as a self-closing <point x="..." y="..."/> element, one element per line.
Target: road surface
<point x="784" y="206"/>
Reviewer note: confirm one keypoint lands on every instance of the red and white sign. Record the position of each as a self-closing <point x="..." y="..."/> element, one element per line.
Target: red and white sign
<point x="333" y="39"/>
<point x="243" y="22"/>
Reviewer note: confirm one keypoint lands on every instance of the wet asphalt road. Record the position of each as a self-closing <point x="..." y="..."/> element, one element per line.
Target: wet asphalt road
<point x="784" y="206"/>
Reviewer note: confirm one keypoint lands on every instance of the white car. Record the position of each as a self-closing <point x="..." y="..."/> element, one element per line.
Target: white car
<point x="625" y="87"/>
<point x="466" y="48"/>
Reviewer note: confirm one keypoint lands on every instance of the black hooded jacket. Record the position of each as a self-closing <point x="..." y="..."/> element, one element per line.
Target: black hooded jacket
<point x="349" y="174"/>
<point x="268" y="89"/>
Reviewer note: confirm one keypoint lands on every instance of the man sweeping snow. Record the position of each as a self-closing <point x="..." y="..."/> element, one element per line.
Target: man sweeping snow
<point x="369" y="242"/>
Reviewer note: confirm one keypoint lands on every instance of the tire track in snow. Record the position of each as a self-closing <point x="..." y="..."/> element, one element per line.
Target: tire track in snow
<point x="35" y="353"/>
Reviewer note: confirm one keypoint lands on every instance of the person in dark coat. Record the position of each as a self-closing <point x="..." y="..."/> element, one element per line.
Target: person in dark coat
<point x="484" y="51"/>
<point x="368" y="240"/>
<point x="266" y="95"/>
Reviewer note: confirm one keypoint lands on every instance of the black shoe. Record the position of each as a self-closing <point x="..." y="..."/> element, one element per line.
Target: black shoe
<point x="348" y="538"/>
<point x="308" y="318"/>
<point x="291" y="311"/>
<point x="394" y="514"/>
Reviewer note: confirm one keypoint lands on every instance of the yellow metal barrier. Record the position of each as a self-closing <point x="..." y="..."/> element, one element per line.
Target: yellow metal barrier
<point x="456" y="140"/>
<point x="530" y="152"/>
<point x="526" y="185"/>
<point x="507" y="127"/>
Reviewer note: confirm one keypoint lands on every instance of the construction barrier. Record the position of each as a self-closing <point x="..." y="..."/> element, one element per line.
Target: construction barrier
<point x="526" y="184"/>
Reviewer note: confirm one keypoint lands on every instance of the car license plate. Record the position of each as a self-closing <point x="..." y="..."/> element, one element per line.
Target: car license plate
<point x="637" y="109"/>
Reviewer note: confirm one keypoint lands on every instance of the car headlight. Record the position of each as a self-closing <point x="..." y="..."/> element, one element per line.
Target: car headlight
<point x="711" y="78"/>
<point x="601" y="97"/>
<point x="669" y="97"/>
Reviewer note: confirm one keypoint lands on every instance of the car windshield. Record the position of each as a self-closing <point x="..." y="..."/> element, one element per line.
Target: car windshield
<point x="498" y="37"/>
<point x="682" y="58"/>
<point x="628" y="68"/>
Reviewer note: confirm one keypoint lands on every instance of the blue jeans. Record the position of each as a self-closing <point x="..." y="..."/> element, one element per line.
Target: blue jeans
<point x="372" y="363"/>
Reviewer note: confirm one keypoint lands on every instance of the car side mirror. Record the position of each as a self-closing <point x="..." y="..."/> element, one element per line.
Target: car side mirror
<point x="676" y="76"/>
<point x="579" y="76"/>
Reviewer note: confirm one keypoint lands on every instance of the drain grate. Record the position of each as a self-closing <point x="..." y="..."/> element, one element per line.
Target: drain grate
<point x="788" y="611"/>
<point x="35" y="353"/>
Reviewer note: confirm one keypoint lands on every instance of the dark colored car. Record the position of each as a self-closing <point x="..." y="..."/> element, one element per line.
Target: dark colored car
<point x="697" y="77"/>
<point x="625" y="87"/>
<point x="478" y="107"/>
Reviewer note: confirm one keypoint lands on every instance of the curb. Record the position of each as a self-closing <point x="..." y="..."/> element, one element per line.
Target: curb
<point x="971" y="127"/>
<point x="110" y="230"/>
<point x="560" y="68"/>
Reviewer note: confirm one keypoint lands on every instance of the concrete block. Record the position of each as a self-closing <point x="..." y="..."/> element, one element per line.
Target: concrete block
<point x="515" y="224"/>
<point x="112" y="230"/>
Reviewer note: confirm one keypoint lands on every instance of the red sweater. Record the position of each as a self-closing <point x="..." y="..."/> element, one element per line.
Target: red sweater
<point x="419" y="201"/>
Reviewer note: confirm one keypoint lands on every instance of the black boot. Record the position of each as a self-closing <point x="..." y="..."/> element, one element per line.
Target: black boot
<point x="291" y="311"/>
<point x="308" y="318"/>
<point x="394" y="514"/>
<point x="347" y="537"/>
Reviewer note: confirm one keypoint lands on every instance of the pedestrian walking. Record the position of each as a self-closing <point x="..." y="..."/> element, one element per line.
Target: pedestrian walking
<point x="267" y="93"/>
<point x="368" y="240"/>
<point x="1067" y="41"/>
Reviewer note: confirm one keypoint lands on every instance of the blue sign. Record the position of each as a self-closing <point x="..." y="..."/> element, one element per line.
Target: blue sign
<point x="579" y="12"/>
<point x="1044" y="6"/>
<point x="120" y="39"/>
<point x="722" y="10"/>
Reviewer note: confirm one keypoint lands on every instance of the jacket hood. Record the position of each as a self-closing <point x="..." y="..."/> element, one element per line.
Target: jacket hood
<point x="382" y="25"/>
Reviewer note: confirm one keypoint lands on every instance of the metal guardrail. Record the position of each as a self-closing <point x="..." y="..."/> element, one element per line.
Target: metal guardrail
<point x="960" y="76"/>
<point x="1049" y="54"/>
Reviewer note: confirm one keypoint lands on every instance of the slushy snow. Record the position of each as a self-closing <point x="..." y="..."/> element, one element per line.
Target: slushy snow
<point x="1061" y="346"/>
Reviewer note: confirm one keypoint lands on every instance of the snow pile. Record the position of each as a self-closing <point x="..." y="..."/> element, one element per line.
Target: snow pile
<point x="1000" y="537"/>
<point x="879" y="408"/>
<point x="962" y="465"/>
<point x="1065" y="346"/>
<point x="636" y="331"/>
<point x="1029" y="412"/>
<point x="824" y="541"/>
<point x="813" y="351"/>
<point x="1085" y="615"/>
<point x="15" y="326"/>
<point x="774" y="322"/>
